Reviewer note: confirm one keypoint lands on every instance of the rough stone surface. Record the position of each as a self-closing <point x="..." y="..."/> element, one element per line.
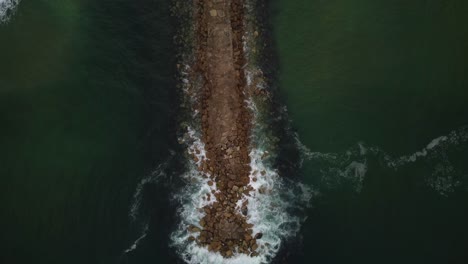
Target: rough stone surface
<point x="226" y="125"/>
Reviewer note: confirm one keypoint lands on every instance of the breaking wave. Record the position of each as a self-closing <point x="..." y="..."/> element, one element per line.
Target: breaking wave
<point x="270" y="208"/>
<point x="276" y="204"/>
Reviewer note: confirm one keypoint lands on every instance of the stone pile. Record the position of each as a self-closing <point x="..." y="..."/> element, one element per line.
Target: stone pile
<point x="226" y="125"/>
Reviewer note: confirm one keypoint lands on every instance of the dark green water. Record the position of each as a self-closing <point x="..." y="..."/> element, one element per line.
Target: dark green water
<point x="86" y="96"/>
<point x="87" y="109"/>
<point x="391" y="74"/>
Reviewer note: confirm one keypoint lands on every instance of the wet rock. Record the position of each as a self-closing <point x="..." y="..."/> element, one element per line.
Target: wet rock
<point x="194" y="229"/>
<point x="224" y="229"/>
<point x="244" y="210"/>
<point x="254" y="246"/>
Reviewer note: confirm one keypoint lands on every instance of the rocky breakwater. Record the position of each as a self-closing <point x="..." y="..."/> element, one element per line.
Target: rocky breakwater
<point x="226" y="125"/>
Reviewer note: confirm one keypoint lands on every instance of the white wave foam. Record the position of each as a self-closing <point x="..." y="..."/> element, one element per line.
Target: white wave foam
<point x="443" y="179"/>
<point x="137" y="242"/>
<point x="273" y="199"/>
<point x="137" y="196"/>
<point x="135" y="209"/>
<point x="7" y="9"/>
<point x="268" y="210"/>
<point x="270" y="205"/>
<point x="437" y="145"/>
<point x="352" y="163"/>
<point x="193" y="198"/>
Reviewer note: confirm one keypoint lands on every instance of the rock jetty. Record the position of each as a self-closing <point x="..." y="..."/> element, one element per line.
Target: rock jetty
<point x="226" y="125"/>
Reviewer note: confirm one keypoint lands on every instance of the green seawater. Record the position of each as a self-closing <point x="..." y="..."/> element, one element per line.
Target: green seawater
<point x="88" y="108"/>
<point x="392" y="75"/>
<point x="86" y="96"/>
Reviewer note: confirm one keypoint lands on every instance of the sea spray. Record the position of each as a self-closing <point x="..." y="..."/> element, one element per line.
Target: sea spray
<point x="277" y="203"/>
<point x="275" y="206"/>
<point x="7" y="9"/>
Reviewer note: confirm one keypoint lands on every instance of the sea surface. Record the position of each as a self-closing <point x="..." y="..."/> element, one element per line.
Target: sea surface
<point x="378" y="94"/>
<point x="371" y="116"/>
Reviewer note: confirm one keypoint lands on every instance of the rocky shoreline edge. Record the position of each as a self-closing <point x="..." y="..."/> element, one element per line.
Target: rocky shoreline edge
<point x="226" y="124"/>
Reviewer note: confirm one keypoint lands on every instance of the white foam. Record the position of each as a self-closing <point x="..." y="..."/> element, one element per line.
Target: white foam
<point x="197" y="147"/>
<point x="201" y="255"/>
<point x="268" y="208"/>
<point x="135" y="209"/>
<point x="443" y="179"/>
<point x="7" y="9"/>
<point x="137" y="196"/>
<point x="137" y="242"/>
<point x="436" y="145"/>
<point x="193" y="198"/>
<point x="270" y="203"/>
<point x="351" y="164"/>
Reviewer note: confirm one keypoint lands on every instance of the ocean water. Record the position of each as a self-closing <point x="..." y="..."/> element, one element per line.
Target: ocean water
<point x="377" y="93"/>
<point x="363" y="147"/>
<point x="87" y="91"/>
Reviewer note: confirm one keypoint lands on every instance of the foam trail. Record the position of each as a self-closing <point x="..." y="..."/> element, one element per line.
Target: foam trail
<point x="7" y="9"/>
<point x="436" y="146"/>
<point x="136" y="207"/>
<point x="137" y="242"/>
<point x="155" y="178"/>
<point x="350" y="166"/>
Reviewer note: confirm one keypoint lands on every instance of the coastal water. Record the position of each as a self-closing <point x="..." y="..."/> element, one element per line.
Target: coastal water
<point x="377" y="91"/>
<point x="373" y="95"/>
<point x="87" y="105"/>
